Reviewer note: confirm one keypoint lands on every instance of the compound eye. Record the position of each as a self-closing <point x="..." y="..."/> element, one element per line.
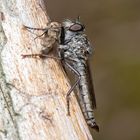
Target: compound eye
<point x="76" y="27"/>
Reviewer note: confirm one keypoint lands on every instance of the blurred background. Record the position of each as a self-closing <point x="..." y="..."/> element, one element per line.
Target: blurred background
<point x="114" y="29"/>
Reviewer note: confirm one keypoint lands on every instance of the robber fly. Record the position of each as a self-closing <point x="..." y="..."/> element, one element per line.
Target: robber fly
<point x="74" y="50"/>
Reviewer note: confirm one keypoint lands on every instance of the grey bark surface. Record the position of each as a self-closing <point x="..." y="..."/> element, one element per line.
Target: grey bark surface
<point x="33" y="91"/>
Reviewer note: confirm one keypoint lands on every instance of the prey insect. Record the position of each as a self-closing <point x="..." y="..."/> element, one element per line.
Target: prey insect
<point x="73" y="51"/>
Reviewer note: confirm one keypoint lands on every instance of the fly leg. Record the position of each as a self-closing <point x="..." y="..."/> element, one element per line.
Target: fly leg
<point x="72" y="88"/>
<point x="45" y="30"/>
<point x="42" y="29"/>
<point x="39" y="55"/>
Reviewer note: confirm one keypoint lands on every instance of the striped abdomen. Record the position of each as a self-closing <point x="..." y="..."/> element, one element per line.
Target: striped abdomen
<point x="86" y="95"/>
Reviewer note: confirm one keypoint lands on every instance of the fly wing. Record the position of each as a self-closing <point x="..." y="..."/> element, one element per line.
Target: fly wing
<point x="91" y="86"/>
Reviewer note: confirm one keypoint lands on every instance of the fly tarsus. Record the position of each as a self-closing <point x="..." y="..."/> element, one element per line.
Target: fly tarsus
<point x="42" y="56"/>
<point x="34" y="56"/>
<point x="30" y="28"/>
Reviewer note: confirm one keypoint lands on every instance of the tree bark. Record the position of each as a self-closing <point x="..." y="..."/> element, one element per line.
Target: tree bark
<point x="33" y="91"/>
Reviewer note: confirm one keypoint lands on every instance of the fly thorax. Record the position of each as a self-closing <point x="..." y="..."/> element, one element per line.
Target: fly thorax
<point x="68" y="36"/>
<point x="80" y="46"/>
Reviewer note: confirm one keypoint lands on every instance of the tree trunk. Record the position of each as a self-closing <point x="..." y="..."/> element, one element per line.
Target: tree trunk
<point x="33" y="91"/>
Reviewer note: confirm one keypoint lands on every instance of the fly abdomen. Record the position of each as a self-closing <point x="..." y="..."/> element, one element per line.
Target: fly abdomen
<point x="87" y="103"/>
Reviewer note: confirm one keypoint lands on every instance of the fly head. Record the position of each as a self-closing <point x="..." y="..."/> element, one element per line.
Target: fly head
<point x="71" y="28"/>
